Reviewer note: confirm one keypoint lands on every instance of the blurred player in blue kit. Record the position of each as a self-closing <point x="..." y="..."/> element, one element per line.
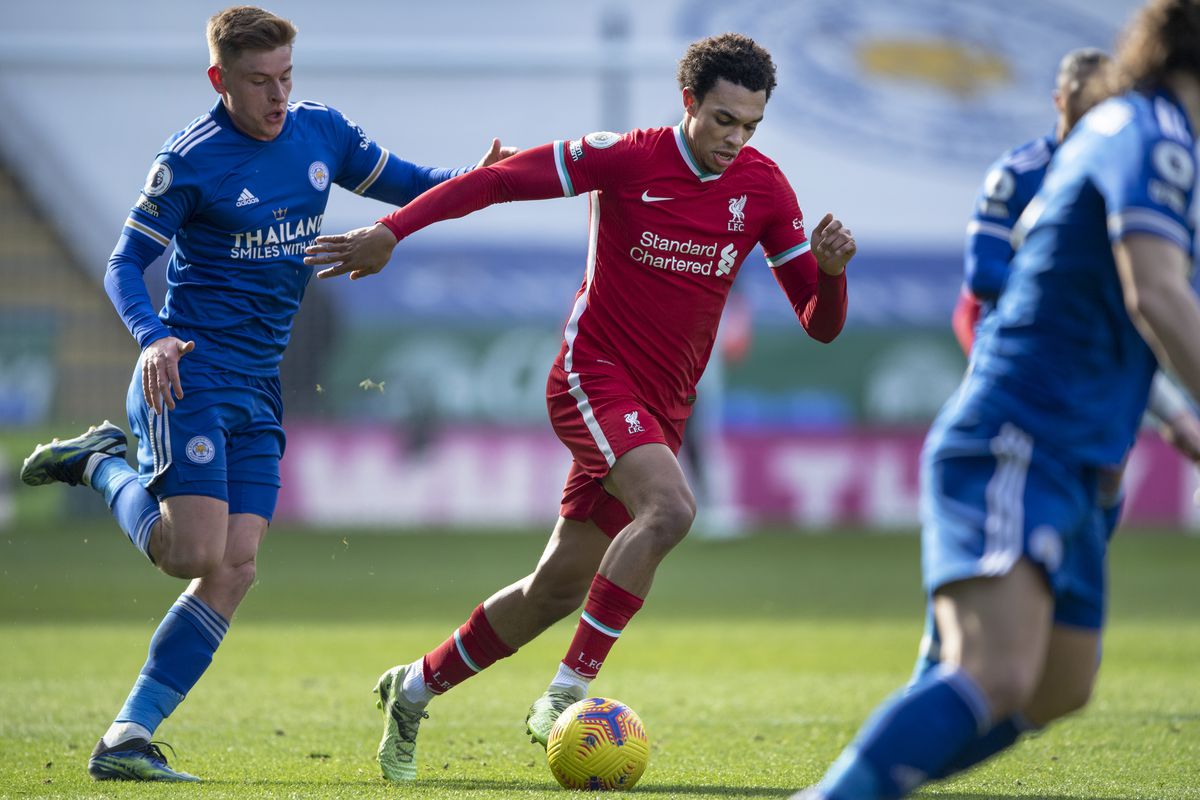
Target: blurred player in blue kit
<point x="1013" y="540"/>
<point x="242" y="190"/>
<point x="1011" y="183"/>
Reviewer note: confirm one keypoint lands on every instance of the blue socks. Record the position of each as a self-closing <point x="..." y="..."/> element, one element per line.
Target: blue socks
<point x="180" y="651"/>
<point x="910" y="739"/>
<point x="136" y="509"/>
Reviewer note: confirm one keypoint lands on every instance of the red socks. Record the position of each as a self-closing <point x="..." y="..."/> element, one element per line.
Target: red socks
<point x="472" y="648"/>
<point x="606" y="613"/>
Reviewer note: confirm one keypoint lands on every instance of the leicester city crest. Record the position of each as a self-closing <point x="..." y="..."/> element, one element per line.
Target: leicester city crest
<point x="318" y="175"/>
<point x="200" y="450"/>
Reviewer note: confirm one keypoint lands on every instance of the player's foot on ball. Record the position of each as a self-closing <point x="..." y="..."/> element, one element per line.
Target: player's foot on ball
<point x="134" y="760"/>
<point x="66" y="460"/>
<point x="401" y="719"/>
<point x="546" y="709"/>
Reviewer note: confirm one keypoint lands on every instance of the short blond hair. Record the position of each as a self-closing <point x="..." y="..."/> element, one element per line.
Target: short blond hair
<point x="239" y="29"/>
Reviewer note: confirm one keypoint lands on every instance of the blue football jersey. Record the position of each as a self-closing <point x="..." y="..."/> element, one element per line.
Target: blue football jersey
<point x="1011" y="183"/>
<point x="241" y="212"/>
<point x="1060" y="357"/>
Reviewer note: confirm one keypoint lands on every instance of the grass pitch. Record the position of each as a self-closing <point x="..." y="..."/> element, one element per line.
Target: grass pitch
<point x="752" y="665"/>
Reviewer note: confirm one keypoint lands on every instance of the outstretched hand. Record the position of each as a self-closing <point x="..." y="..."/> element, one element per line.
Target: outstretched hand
<point x="361" y="252"/>
<point x="160" y="372"/>
<point x="832" y="245"/>
<point x="496" y="153"/>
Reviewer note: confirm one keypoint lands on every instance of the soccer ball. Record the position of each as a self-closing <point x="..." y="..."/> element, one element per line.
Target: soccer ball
<point x="598" y="744"/>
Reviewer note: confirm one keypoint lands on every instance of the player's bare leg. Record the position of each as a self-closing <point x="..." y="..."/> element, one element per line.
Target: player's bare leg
<point x="190" y="539"/>
<point x="556" y="587"/>
<point x="998" y="631"/>
<point x="183" y="646"/>
<point x="650" y="483"/>
<point x="1068" y="677"/>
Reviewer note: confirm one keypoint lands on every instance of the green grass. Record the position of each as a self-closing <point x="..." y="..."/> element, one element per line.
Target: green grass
<point x="752" y="665"/>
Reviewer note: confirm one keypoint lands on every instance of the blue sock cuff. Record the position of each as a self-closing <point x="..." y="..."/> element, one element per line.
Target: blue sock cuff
<point x="966" y="688"/>
<point x="149" y="703"/>
<point x="110" y="476"/>
<point x="211" y="625"/>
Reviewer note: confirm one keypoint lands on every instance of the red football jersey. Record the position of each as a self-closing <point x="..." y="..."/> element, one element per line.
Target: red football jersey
<point x="666" y="241"/>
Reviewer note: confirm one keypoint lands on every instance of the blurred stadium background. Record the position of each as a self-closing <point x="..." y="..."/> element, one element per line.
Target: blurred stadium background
<point x="887" y="113"/>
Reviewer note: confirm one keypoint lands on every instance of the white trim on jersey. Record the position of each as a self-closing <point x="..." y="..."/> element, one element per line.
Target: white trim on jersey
<point x="189" y="140"/>
<point x="994" y="229"/>
<point x="689" y="159"/>
<point x="1147" y="220"/>
<point x="560" y="164"/>
<point x="1004" y="527"/>
<point x="1036" y="157"/>
<point x="159" y="431"/>
<point x="572" y="330"/>
<point x="311" y="105"/>
<point x="147" y="231"/>
<point x="780" y="259"/>
<point x="370" y="179"/>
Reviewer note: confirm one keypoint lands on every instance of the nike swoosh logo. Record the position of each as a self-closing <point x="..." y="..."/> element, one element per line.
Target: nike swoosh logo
<point x="649" y="198"/>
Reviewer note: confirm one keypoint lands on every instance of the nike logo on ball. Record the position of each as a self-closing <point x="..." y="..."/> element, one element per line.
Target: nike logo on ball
<point x="649" y="198"/>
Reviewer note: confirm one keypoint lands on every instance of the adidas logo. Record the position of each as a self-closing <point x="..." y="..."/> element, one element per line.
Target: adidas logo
<point x="246" y="198"/>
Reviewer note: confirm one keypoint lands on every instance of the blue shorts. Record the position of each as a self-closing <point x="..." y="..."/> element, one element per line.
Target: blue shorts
<point x="990" y="496"/>
<point x="224" y="439"/>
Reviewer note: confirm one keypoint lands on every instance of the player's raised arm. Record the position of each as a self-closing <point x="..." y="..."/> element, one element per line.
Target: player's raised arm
<point x="528" y="175"/>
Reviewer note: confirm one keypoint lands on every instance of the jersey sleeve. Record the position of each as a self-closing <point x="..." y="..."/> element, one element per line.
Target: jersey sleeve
<point x="166" y="202"/>
<point x="529" y="175"/>
<point x="988" y="250"/>
<point x="371" y="170"/>
<point x="597" y="161"/>
<point x="1147" y="181"/>
<point x="818" y="299"/>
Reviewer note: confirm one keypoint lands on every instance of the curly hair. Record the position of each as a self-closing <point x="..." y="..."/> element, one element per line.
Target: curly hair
<point x="732" y="56"/>
<point x="1164" y="37"/>
<point x="238" y="29"/>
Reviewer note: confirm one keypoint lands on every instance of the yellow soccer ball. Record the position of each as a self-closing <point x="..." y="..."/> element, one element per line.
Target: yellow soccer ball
<point x="598" y="744"/>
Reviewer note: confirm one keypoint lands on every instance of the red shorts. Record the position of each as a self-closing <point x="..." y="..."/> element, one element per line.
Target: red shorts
<point x="599" y="419"/>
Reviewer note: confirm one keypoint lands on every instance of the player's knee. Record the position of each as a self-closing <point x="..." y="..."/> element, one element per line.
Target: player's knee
<point x="240" y="577"/>
<point x="191" y="558"/>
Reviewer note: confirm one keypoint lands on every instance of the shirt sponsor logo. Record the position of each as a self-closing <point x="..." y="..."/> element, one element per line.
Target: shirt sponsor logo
<point x="146" y="207"/>
<point x="576" y="148"/>
<point x="364" y="141"/>
<point x="284" y="239"/>
<point x="728" y="259"/>
<point x="200" y="450"/>
<point x="650" y="249"/>
<point x="318" y="175"/>
<point x="737" y="213"/>
<point x="159" y="179"/>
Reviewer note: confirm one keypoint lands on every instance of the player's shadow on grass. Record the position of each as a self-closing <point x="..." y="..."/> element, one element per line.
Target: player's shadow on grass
<point x="644" y="788"/>
<point x="995" y="796"/>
